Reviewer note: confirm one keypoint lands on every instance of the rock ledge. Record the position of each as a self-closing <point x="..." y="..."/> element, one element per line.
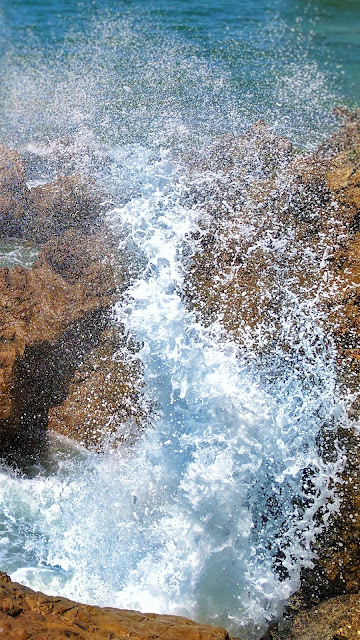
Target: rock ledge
<point x="30" y="615"/>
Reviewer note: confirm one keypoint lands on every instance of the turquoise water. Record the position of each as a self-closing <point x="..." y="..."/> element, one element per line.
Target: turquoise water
<point x="194" y="518"/>
<point x="128" y="66"/>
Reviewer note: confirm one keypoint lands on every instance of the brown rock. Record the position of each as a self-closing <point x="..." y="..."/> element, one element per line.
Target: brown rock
<point x="52" y="316"/>
<point x="57" y="359"/>
<point x="67" y="203"/>
<point x="14" y="194"/>
<point x="44" y="321"/>
<point x="106" y="401"/>
<point x="335" y="619"/>
<point x="295" y="228"/>
<point x="25" y="614"/>
<point x="337" y="565"/>
<point x="262" y="236"/>
<point x="269" y="218"/>
<point x="343" y="171"/>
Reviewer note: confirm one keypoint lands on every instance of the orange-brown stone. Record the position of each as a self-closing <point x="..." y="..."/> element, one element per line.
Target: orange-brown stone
<point x="106" y="402"/>
<point x="29" y="615"/>
<point x="334" y="619"/>
<point x="67" y="203"/>
<point x="296" y="228"/>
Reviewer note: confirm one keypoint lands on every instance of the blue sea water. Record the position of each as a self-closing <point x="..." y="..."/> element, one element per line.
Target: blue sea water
<point x="214" y="65"/>
<point x="120" y="90"/>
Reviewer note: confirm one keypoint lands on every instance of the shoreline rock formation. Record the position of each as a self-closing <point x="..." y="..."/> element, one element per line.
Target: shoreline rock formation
<point x="30" y="615"/>
<point x="64" y="368"/>
<point x="300" y="218"/>
<point x="61" y="368"/>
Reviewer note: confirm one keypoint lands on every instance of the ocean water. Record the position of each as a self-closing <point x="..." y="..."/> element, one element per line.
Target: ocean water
<point x="198" y="516"/>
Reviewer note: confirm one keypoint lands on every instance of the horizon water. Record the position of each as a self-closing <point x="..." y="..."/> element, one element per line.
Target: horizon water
<point x="184" y="520"/>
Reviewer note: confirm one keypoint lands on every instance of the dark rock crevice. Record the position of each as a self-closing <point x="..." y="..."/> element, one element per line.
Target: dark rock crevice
<point x="63" y="367"/>
<point x="41" y="380"/>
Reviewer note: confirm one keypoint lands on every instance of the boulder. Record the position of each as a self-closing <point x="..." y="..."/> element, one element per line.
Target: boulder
<point x="262" y="233"/>
<point x="37" y="214"/>
<point x="293" y="227"/>
<point x="47" y="325"/>
<point x="106" y="403"/>
<point x="30" y="615"/>
<point x="62" y="366"/>
<point x="65" y="366"/>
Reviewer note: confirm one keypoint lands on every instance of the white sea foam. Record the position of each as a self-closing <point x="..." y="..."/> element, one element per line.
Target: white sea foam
<point x="197" y="515"/>
<point x="193" y="518"/>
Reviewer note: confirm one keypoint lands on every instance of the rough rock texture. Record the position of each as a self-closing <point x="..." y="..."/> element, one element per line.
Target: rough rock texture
<point x="58" y="359"/>
<point x="273" y="223"/>
<point x="46" y="210"/>
<point x="43" y="316"/>
<point x="262" y="238"/>
<point x="61" y="367"/>
<point x="334" y="619"/>
<point x="105" y="402"/>
<point x="13" y="192"/>
<point x="292" y="230"/>
<point x="67" y="203"/>
<point x="337" y="566"/>
<point x="29" y="615"/>
<point x="337" y="570"/>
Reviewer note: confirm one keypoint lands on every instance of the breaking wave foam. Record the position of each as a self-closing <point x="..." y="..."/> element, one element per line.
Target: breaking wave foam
<point x="211" y="512"/>
<point x="198" y="517"/>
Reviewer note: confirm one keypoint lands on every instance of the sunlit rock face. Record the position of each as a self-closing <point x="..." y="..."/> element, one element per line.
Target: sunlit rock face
<point x="56" y="355"/>
<point x="275" y="241"/>
<point x="343" y="178"/>
<point x="291" y="230"/>
<point x="105" y="403"/>
<point x="37" y="214"/>
<point x="67" y="203"/>
<point x="265" y="241"/>
<point x="280" y="226"/>
<point x="26" y="615"/>
<point x="337" y="570"/>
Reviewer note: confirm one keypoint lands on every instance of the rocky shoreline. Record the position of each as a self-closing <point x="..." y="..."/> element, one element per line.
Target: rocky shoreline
<point x="57" y="341"/>
<point x="29" y="615"/>
<point x="64" y="368"/>
<point x="315" y="200"/>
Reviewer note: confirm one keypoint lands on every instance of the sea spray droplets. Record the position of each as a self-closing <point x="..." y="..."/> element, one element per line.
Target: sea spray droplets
<point x="255" y="447"/>
<point x="129" y="74"/>
<point x="195" y="517"/>
<point x="191" y="519"/>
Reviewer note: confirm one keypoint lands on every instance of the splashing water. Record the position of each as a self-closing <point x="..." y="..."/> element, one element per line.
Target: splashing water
<point x="193" y="519"/>
<point x="211" y="513"/>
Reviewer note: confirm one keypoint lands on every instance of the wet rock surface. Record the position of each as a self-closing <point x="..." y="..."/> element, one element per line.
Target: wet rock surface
<point x="67" y="203"/>
<point x="106" y="401"/>
<point x="59" y="367"/>
<point x="265" y="240"/>
<point x="14" y="194"/>
<point x="335" y="619"/>
<point x="64" y="368"/>
<point x="293" y="229"/>
<point x="29" y="615"/>
<point x="337" y="570"/>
